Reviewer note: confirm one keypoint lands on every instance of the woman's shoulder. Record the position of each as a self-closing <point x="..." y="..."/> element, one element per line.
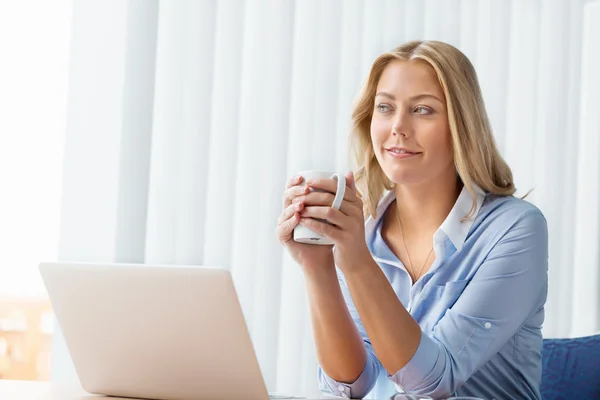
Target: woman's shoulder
<point x="510" y="225"/>
<point x="506" y="206"/>
<point x="505" y="212"/>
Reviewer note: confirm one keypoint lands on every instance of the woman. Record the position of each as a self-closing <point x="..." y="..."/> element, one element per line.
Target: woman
<point x="443" y="287"/>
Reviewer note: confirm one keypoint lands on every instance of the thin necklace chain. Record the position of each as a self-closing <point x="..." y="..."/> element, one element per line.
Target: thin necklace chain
<point x="414" y="277"/>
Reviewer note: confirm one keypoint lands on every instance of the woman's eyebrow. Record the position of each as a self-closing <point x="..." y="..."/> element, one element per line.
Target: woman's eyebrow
<point x="426" y="95"/>
<point x="417" y="97"/>
<point x="385" y="94"/>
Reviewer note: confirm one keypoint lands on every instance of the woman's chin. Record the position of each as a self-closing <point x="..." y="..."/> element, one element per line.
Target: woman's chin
<point x="404" y="177"/>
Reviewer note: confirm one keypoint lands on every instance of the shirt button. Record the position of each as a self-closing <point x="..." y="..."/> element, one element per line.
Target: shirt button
<point x="344" y="395"/>
<point x="488" y="325"/>
<point x="341" y="388"/>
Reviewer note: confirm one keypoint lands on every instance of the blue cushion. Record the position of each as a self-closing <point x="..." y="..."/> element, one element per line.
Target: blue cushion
<point x="571" y="368"/>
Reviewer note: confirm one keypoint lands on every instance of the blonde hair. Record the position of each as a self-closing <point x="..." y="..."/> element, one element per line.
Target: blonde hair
<point x="476" y="157"/>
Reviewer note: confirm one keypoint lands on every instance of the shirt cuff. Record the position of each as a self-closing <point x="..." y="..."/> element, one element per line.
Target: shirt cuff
<point x="423" y="364"/>
<point x="355" y="390"/>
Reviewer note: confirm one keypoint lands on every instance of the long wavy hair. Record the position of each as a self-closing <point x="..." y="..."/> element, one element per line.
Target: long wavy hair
<point x="476" y="156"/>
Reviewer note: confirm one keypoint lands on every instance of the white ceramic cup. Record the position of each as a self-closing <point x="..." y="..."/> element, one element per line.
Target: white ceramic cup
<point x="301" y="233"/>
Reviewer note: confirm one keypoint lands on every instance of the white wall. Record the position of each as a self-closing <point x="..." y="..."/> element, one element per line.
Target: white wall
<point x="34" y="52"/>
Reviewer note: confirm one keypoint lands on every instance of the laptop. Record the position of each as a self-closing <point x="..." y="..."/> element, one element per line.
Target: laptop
<point x="155" y="331"/>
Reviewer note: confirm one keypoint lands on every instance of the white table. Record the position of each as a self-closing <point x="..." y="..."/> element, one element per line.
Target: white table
<point x="32" y="390"/>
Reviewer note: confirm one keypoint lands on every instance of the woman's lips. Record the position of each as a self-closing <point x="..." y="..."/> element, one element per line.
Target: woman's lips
<point x="402" y="154"/>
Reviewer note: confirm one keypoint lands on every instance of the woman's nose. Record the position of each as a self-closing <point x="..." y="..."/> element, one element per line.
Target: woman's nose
<point x="402" y="125"/>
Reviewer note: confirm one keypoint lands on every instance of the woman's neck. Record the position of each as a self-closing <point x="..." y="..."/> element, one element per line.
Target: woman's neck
<point x="424" y="207"/>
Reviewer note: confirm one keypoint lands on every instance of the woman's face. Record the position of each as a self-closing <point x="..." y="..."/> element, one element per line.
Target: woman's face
<point x="409" y="128"/>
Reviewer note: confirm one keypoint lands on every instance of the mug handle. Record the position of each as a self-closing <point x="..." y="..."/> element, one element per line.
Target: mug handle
<point x="341" y="190"/>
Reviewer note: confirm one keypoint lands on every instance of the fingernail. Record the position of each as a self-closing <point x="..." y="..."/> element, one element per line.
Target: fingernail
<point x="309" y="182"/>
<point x="298" y="206"/>
<point x="295" y="200"/>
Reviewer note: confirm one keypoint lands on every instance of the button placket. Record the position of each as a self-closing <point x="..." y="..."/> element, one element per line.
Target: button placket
<point x="343" y="391"/>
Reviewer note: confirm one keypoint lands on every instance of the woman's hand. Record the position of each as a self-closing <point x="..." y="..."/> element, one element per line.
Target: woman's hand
<point x="347" y="228"/>
<point x="309" y="256"/>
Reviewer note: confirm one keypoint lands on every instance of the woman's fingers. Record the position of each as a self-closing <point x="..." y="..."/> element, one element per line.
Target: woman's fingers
<point x="289" y="211"/>
<point x="319" y="192"/>
<point x="292" y="181"/>
<point x="329" y="214"/>
<point x="292" y="192"/>
<point x="329" y="231"/>
<point x="326" y="200"/>
<point x="330" y="186"/>
<point x="314" y="199"/>
<point x="286" y="228"/>
<point x="351" y="181"/>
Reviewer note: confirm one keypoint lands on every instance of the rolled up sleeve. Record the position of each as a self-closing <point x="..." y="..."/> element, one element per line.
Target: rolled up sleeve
<point x="357" y="389"/>
<point x="506" y="290"/>
<point x="427" y="362"/>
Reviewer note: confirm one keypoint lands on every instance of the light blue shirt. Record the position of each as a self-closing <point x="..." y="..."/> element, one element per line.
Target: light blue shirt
<point x="480" y="306"/>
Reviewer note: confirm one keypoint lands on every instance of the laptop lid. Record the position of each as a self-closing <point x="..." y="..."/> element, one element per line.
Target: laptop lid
<point x="154" y="331"/>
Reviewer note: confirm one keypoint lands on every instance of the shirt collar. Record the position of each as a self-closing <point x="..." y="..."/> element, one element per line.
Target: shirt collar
<point x="452" y="226"/>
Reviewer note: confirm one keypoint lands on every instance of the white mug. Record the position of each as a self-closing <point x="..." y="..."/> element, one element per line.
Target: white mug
<point x="301" y="233"/>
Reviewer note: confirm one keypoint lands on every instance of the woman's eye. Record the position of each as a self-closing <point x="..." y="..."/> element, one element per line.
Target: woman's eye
<point x="423" y="110"/>
<point x="383" y="108"/>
